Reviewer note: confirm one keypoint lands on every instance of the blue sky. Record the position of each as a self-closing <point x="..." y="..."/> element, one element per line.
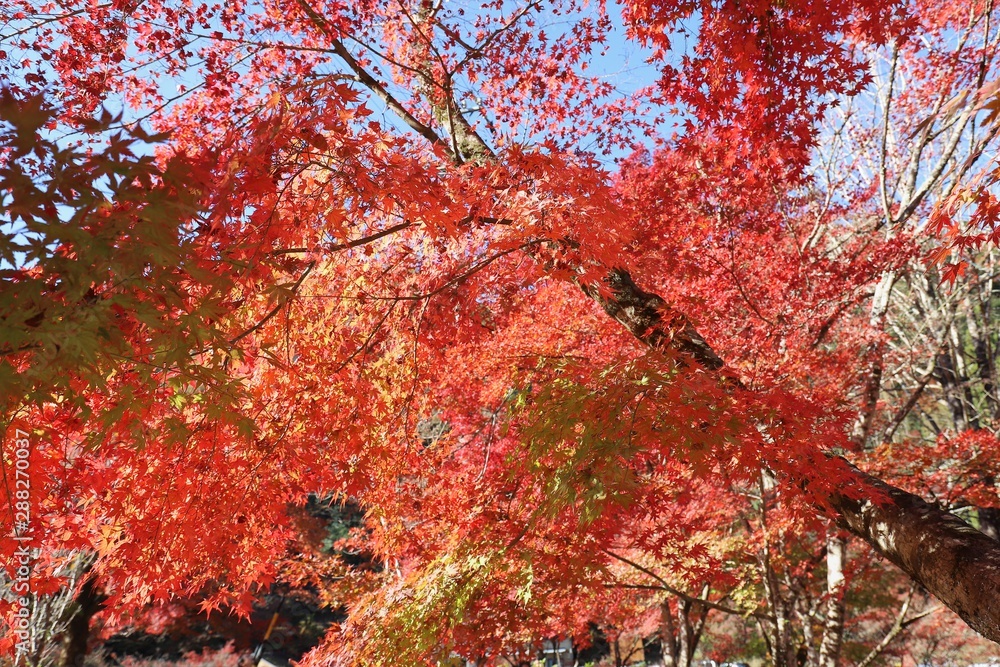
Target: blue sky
<point x="623" y="64"/>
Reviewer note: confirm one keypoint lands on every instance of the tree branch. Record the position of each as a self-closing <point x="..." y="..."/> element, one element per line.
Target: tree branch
<point x="277" y="308"/>
<point x="348" y="244"/>
<point x="948" y="557"/>
<point x="369" y="81"/>
<point x="677" y="592"/>
<point x="897" y="627"/>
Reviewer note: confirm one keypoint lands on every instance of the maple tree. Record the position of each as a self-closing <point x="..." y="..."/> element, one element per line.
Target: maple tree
<point x="384" y="255"/>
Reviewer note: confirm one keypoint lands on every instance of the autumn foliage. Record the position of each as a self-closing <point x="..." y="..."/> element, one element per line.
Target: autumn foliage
<point x="581" y="351"/>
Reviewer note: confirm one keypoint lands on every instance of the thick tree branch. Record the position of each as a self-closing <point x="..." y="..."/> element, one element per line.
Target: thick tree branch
<point x="647" y="316"/>
<point x="951" y="559"/>
<point x="955" y="562"/>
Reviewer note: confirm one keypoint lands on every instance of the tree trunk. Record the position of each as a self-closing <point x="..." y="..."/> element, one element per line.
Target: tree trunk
<point x="955" y="562"/>
<point x="781" y="649"/>
<point x="668" y="636"/>
<point x="679" y="637"/>
<point x="952" y="560"/>
<point x="684" y="651"/>
<point x="833" y="621"/>
<point x="88" y="602"/>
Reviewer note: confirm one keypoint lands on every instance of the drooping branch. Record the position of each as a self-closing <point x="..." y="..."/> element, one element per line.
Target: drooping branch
<point x="664" y="585"/>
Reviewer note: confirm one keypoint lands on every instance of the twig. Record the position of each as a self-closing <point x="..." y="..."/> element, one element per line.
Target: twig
<point x="277" y="308"/>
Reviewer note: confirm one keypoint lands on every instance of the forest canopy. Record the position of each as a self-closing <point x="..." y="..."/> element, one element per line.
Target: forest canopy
<point x="482" y="324"/>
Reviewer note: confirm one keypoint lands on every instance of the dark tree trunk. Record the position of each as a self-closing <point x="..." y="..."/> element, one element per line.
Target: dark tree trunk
<point x="88" y="602"/>
<point x="989" y="521"/>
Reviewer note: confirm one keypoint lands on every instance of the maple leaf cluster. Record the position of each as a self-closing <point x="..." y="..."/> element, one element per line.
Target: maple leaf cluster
<point x="379" y="254"/>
